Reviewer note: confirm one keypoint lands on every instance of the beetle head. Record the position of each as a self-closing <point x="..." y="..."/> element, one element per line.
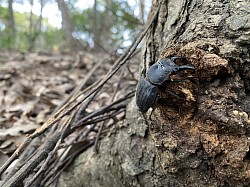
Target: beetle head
<point x="161" y="71"/>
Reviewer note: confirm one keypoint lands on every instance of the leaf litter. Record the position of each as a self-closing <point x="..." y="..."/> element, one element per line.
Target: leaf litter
<point x="33" y="85"/>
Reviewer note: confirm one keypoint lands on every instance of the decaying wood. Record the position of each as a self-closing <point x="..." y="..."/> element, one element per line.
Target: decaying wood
<point x="200" y="140"/>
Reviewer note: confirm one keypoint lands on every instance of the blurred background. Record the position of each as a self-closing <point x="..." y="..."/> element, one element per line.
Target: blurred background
<point x="70" y="25"/>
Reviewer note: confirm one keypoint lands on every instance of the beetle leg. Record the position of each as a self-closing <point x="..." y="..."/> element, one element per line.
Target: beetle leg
<point x="173" y="94"/>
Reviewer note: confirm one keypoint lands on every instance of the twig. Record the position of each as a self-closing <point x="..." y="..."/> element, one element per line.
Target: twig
<point x="98" y="137"/>
<point x="81" y="86"/>
<point x="104" y="117"/>
<point x="97" y="112"/>
<point x="45" y="164"/>
<point x="48" y="147"/>
<point x="83" y="133"/>
<point x="119" y="81"/>
<point x="65" y="110"/>
<point x="80" y="112"/>
<point x="33" y="162"/>
<point x="69" y="160"/>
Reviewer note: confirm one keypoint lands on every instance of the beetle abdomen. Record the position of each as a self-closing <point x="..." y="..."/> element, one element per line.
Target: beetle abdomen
<point x="146" y="94"/>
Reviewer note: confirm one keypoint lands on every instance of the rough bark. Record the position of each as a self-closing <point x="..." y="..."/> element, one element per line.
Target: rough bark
<point x="201" y="139"/>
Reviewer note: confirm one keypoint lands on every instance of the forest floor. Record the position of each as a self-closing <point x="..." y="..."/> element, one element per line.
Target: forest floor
<point x="33" y="85"/>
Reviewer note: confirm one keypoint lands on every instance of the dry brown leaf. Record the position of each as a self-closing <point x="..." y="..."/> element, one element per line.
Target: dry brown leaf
<point x="20" y="127"/>
<point x="41" y="117"/>
<point x="3" y="158"/>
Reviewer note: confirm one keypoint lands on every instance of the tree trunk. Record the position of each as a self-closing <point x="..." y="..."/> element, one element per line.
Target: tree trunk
<point x="67" y="27"/>
<point x="102" y="29"/>
<point x="106" y="38"/>
<point x="142" y="11"/>
<point x="31" y="27"/>
<point x="42" y="3"/>
<point x="96" y="31"/>
<point x="201" y="139"/>
<point x="35" y="28"/>
<point x="11" y="25"/>
<point x="11" y="18"/>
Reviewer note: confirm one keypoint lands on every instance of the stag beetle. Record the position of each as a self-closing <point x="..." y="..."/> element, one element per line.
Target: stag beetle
<point x="157" y="74"/>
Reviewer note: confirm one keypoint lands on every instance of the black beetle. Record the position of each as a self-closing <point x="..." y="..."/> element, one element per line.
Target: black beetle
<point x="157" y="74"/>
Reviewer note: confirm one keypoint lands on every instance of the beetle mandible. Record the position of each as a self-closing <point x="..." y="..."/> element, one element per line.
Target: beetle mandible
<point x="157" y="74"/>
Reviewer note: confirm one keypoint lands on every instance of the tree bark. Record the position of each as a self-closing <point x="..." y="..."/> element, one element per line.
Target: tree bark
<point x="201" y="139"/>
